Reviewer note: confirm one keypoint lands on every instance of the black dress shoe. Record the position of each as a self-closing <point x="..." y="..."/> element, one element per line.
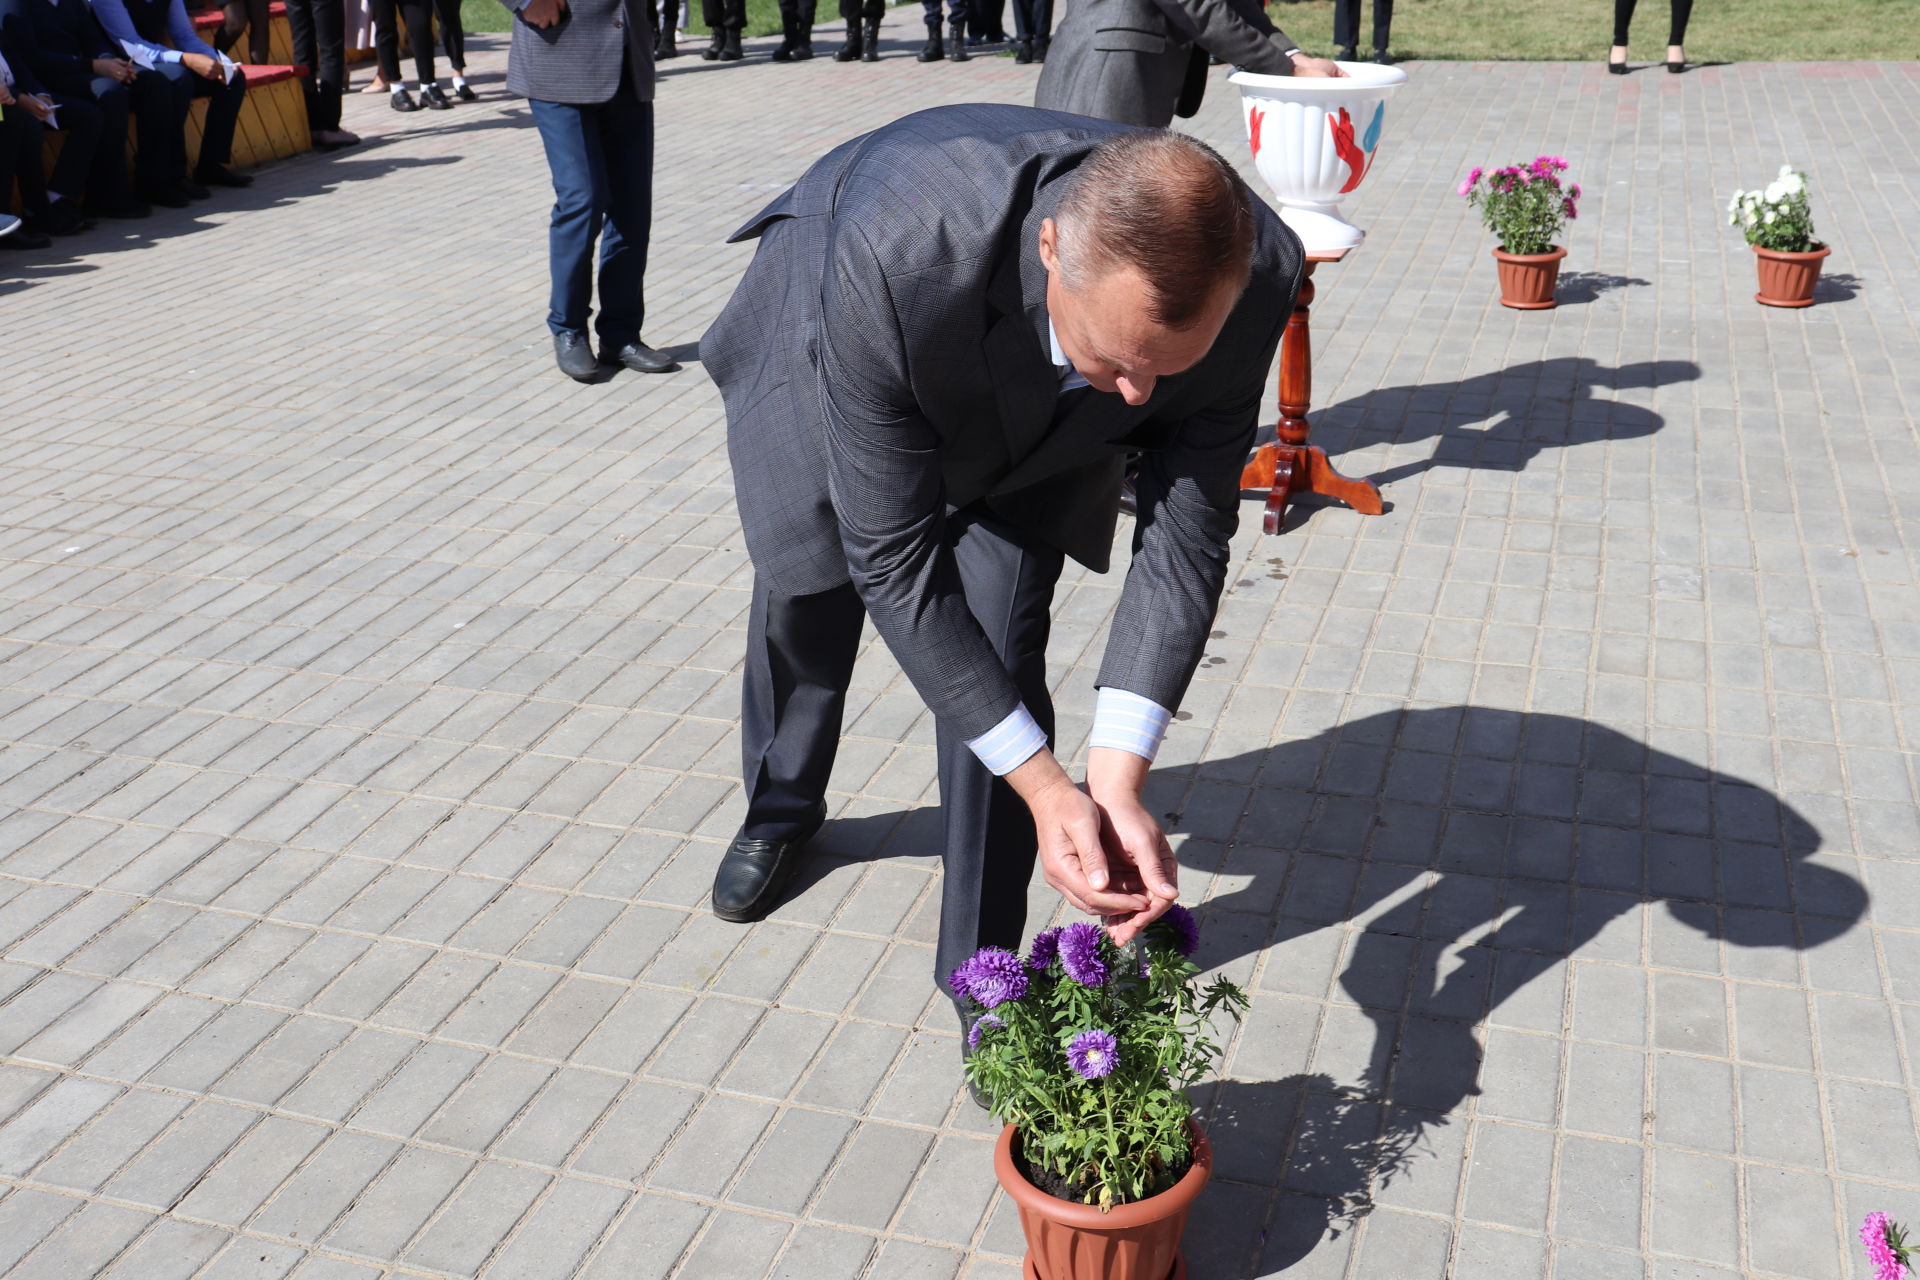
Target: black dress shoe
<point x="60" y="219"/>
<point x="435" y="98"/>
<point x="1346" y="53"/>
<point x="126" y="207"/>
<point x="753" y="872"/>
<point x="639" y="357"/>
<point x="574" y="354"/>
<point x="1616" y="68"/>
<point x="401" y="100"/>
<point x="1382" y="57"/>
<point x="1677" y="67"/>
<point x="218" y="175"/>
<point x="25" y="238"/>
<point x="167" y="196"/>
<point x="465" y="93"/>
<point x="193" y="190"/>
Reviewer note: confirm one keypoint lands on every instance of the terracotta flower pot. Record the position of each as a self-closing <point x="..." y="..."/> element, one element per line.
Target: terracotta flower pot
<point x="1139" y="1241"/>
<point x="1527" y="279"/>
<point x="1787" y="279"/>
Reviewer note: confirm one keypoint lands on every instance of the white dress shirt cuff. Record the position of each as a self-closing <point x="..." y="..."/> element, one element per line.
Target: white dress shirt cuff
<point x="1128" y="722"/>
<point x="1009" y="744"/>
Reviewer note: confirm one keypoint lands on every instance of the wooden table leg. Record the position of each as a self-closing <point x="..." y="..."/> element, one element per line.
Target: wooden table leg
<point x="1290" y="465"/>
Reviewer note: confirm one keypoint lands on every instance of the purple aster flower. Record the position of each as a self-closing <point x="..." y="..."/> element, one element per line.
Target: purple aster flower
<point x="984" y="1023"/>
<point x="1566" y="207"/>
<point x="1093" y="1054"/>
<point x="1080" y="954"/>
<point x="1046" y="945"/>
<point x="1184" y="928"/>
<point x="993" y="976"/>
<point x="1873" y="1233"/>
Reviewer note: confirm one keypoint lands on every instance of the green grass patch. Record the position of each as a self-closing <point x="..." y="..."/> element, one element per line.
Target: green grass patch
<point x="1575" y="30"/>
<point x="1533" y="30"/>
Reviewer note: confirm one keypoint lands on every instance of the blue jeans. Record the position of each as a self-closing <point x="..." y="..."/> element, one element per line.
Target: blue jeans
<point x="600" y="156"/>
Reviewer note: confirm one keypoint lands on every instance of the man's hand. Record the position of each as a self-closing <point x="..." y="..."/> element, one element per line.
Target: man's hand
<point x="1068" y="825"/>
<point x="1305" y="66"/>
<point x="114" y="69"/>
<point x="39" y="107"/>
<point x="203" y="66"/>
<point x="1137" y="848"/>
<point x="543" y="13"/>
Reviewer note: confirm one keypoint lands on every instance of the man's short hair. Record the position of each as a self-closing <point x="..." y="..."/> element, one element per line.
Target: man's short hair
<point x="1169" y="207"/>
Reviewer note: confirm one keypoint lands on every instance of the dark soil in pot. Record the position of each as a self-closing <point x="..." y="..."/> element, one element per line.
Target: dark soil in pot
<point x="1075" y="1191"/>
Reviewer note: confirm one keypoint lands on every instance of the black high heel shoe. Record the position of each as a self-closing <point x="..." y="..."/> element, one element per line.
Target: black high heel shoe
<point x="1616" y="68"/>
<point x="1677" y="67"/>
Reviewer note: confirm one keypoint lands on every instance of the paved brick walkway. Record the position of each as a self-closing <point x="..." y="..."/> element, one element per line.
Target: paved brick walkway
<point x="366" y="705"/>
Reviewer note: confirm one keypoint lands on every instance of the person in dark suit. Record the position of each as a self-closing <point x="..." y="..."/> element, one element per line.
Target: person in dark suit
<point x="954" y="47"/>
<point x="1139" y="62"/>
<point x="1346" y="28"/>
<point x="158" y="34"/>
<point x="954" y="331"/>
<point x="796" y="31"/>
<point x="586" y="70"/>
<point x="66" y="53"/>
<point x="725" y="19"/>
<point x="1033" y="30"/>
<point x="25" y="109"/>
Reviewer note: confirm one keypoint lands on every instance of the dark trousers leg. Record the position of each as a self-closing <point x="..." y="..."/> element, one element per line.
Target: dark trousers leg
<point x="1677" y="31"/>
<point x="173" y="102"/>
<point x="453" y="36"/>
<point x="21" y="138"/>
<point x="989" y="840"/>
<point x="797" y="16"/>
<point x="318" y="28"/>
<point x="83" y="123"/>
<point x="1382" y="24"/>
<point x="1346" y="24"/>
<point x="223" y="114"/>
<point x="246" y="15"/>
<point x="571" y="136"/>
<point x="1622" y="19"/>
<point x="107" y="175"/>
<point x="1032" y="19"/>
<point x="626" y="134"/>
<point x="800" y="652"/>
<point x="419" y="16"/>
<point x="724" y="15"/>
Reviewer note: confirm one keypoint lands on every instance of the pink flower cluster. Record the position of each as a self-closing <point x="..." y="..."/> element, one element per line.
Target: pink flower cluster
<point x="1516" y="177"/>
<point x="1875" y="1233"/>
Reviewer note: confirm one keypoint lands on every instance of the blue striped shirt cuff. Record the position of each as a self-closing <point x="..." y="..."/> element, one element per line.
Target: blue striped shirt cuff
<point x="1128" y="722"/>
<point x="1009" y="744"/>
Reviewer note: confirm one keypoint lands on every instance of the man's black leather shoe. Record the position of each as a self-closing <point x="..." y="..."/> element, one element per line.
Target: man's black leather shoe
<point x="192" y="189"/>
<point x="434" y="98"/>
<point x="126" y="207"/>
<point x="60" y="219"/>
<point x="168" y="195"/>
<point x="218" y="175"/>
<point x="574" y="354"/>
<point x="640" y="358"/>
<point x="753" y="873"/>
<point x="25" y="238"/>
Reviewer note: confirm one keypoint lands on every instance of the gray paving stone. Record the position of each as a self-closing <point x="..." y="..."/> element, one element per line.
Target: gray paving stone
<point x="392" y="1210"/>
<point x="634" y="1133"/>
<point x="31" y="1136"/>
<point x="873" y="1176"/>
<point x="554" y="1239"/>
<point x="650" y="1238"/>
<point x="331" y="1181"/>
<point x="252" y="1172"/>
<point x="85" y="1244"/>
<point x="477" y="1218"/>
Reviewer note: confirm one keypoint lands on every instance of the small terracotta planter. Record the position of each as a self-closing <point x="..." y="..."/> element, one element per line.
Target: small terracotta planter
<point x="1527" y="279"/>
<point x="1787" y="279"/>
<point x="1139" y="1241"/>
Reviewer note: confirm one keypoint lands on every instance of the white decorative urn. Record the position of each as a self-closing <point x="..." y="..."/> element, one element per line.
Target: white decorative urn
<point x="1313" y="140"/>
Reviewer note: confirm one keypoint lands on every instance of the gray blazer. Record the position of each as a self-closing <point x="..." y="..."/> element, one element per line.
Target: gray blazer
<point x="885" y="362"/>
<point x="1128" y="60"/>
<point x="577" y="59"/>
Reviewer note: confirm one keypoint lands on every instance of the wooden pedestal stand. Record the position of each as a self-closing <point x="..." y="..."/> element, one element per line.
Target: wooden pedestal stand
<point x="1290" y="465"/>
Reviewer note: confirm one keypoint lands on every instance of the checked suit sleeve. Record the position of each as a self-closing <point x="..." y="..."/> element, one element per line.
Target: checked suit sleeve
<point x="1188" y="498"/>
<point x="883" y="471"/>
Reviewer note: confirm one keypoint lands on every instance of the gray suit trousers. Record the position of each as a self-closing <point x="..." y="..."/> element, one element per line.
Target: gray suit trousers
<point x="800" y="653"/>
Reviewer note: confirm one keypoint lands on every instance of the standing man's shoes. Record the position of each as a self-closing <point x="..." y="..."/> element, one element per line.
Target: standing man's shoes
<point x="640" y="358"/>
<point x="730" y="48"/>
<point x="167" y="195"/>
<point x="192" y="189"/>
<point x="574" y="354"/>
<point x="1040" y="44"/>
<point x="1023" y="52"/>
<point x="936" y="50"/>
<point x="870" y="44"/>
<point x="712" y="51"/>
<point x="401" y="100"/>
<point x="1346" y="53"/>
<point x="957" y="43"/>
<point x="334" y="139"/>
<point x="433" y="97"/>
<point x="850" y="51"/>
<point x="753" y="872"/>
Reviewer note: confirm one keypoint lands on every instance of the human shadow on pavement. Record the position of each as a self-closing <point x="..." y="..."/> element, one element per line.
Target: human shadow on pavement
<point x="1577" y="287"/>
<point x="1499" y="421"/>
<point x="1477" y="850"/>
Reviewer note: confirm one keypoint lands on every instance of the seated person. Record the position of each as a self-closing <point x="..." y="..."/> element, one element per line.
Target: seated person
<point x="26" y="111"/>
<point x="72" y="57"/>
<point x="158" y="34"/>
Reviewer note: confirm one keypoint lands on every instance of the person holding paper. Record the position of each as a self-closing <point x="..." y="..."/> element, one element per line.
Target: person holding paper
<point x="83" y="93"/>
<point x="158" y="35"/>
<point x="23" y="118"/>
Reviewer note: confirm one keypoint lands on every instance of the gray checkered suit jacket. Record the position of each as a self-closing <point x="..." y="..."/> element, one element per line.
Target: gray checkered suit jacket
<point x="577" y="59"/>
<point x="885" y="361"/>
<point x="1128" y="60"/>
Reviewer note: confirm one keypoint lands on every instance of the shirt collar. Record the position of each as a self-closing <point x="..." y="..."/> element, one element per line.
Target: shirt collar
<point x="1060" y="361"/>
